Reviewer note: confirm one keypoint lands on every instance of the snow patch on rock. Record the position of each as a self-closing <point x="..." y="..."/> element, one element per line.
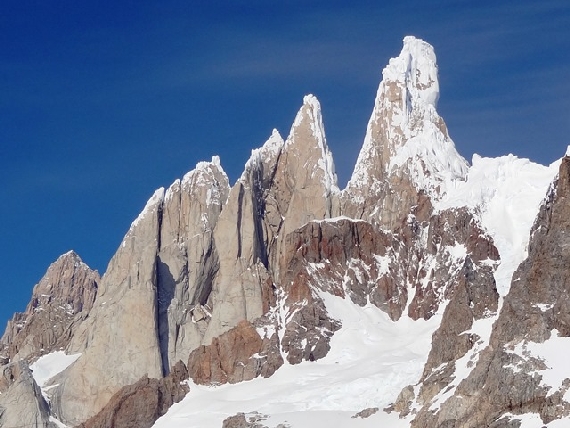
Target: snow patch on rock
<point x="405" y="119"/>
<point x="270" y="150"/>
<point x="49" y="365"/>
<point x="156" y="199"/>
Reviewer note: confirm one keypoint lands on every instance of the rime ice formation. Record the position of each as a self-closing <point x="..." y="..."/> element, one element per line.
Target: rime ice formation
<point x="407" y="151"/>
<point x="389" y="303"/>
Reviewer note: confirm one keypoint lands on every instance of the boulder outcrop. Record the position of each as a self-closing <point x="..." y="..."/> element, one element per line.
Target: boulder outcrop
<point x="237" y="355"/>
<point x="141" y="404"/>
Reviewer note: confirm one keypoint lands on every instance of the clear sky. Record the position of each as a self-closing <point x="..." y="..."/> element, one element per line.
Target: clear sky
<point x="102" y="102"/>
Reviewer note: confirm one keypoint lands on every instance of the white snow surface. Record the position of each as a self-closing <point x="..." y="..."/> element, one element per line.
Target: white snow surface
<point x="507" y="192"/>
<point x="49" y="365"/>
<point x="417" y="135"/>
<point x="533" y="420"/>
<point x="371" y="359"/>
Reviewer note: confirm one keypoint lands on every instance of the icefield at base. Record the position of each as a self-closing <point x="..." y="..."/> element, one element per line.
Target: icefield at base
<point x="371" y="359"/>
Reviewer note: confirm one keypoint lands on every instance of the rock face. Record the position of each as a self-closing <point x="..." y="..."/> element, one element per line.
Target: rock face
<point x="21" y="401"/>
<point x="124" y="347"/>
<point x="142" y="403"/>
<point x="144" y="313"/>
<point x="60" y="302"/>
<point x="188" y="258"/>
<point x="237" y="355"/>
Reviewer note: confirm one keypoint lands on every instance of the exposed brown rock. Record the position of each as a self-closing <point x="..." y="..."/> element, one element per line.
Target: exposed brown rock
<point x="366" y="413"/>
<point x="347" y="258"/>
<point x="141" y="404"/>
<point x="473" y="297"/>
<point x="238" y="354"/>
<point x="240" y="421"/>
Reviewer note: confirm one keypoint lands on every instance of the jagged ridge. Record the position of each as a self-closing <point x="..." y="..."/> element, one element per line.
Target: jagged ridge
<point x="234" y="280"/>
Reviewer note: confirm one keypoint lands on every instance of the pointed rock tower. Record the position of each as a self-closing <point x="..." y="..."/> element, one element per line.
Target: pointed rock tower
<point x="407" y="152"/>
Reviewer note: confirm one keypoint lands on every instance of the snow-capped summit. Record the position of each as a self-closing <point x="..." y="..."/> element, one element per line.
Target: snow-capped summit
<point x="406" y="137"/>
<point x="416" y="67"/>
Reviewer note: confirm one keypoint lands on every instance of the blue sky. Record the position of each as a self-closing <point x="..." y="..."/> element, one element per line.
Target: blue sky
<point x="103" y="102"/>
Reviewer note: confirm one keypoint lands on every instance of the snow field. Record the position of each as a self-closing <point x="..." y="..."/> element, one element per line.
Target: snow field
<point x="371" y="359"/>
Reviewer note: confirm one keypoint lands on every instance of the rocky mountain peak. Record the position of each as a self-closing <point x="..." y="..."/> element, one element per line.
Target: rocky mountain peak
<point x="307" y="142"/>
<point x="407" y="149"/>
<point x="59" y="284"/>
<point x="395" y="273"/>
<point x="65" y="294"/>
<point x="265" y="155"/>
<point x="204" y="173"/>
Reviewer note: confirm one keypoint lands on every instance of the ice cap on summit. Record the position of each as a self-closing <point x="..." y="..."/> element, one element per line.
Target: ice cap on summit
<point x="416" y="67"/>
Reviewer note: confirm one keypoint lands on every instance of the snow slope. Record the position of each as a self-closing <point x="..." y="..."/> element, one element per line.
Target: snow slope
<point x="48" y="366"/>
<point x="371" y="360"/>
<point x="506" y="192"/>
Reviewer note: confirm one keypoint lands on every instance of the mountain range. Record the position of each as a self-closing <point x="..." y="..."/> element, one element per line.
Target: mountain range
<point x="429" y="292"/>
